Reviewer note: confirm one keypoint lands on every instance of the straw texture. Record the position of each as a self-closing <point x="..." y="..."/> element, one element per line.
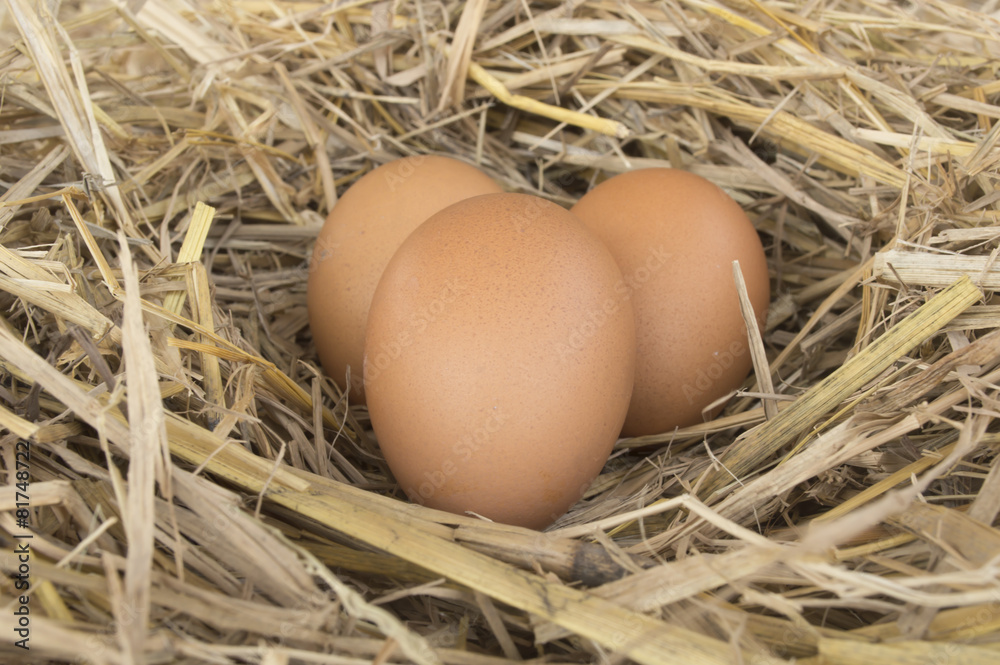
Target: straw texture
<point x="195" y="490"/>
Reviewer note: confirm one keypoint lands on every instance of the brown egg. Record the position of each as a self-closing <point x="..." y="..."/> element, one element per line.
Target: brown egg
<point x="365" y="227"/>
<point x="499" y="359"/>
<point x="675" y="236"/>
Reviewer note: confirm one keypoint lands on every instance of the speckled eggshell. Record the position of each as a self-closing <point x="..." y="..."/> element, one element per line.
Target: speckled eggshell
<point x="365" y="227"/>
<point x="675" y="236"/>
<point x="499" y="359"/>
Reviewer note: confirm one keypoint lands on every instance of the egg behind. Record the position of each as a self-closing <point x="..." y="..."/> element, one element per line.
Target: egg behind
<point x="499" y="359"/>
<point x="365" y="227"/>
<point x="675" y="236"/>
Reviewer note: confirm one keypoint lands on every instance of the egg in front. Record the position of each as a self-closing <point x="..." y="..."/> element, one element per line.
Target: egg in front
<point x="499" y="359"/>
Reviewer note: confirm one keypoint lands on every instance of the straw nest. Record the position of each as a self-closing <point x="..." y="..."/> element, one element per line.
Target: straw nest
<point x="197" y="491"/>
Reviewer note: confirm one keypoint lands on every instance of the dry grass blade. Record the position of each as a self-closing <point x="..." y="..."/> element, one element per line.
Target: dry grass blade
<point x="193" y="39"/>
<point x="147" y="452"/>
<point x="66" y="305"/>
<point x="937" y="146"/>
<point x="191" y="249"/>
<point x="460" y="54"/>
<point x="17" y="425"/>
<point x="850" y="652"/>
<point x="974" y="542"/>
<point x="210" y="366"/>
<point x="88" y="238"/>
<point x="901" y="267"/>
<point x="757" y="352"/>
<point x="730" y="67"/>
<point x="603" y="125"/>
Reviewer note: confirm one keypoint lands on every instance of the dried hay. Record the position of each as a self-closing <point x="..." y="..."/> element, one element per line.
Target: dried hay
<point x="201" y="493"/>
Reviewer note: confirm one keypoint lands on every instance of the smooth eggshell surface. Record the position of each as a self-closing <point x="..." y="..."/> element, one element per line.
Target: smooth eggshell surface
<point x="499" y="359"/>
<point x="365" y="227"/>
<point x="675" y="236"/>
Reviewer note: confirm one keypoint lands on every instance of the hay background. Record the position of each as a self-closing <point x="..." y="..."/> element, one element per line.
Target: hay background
<point x="241" y="513"/>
